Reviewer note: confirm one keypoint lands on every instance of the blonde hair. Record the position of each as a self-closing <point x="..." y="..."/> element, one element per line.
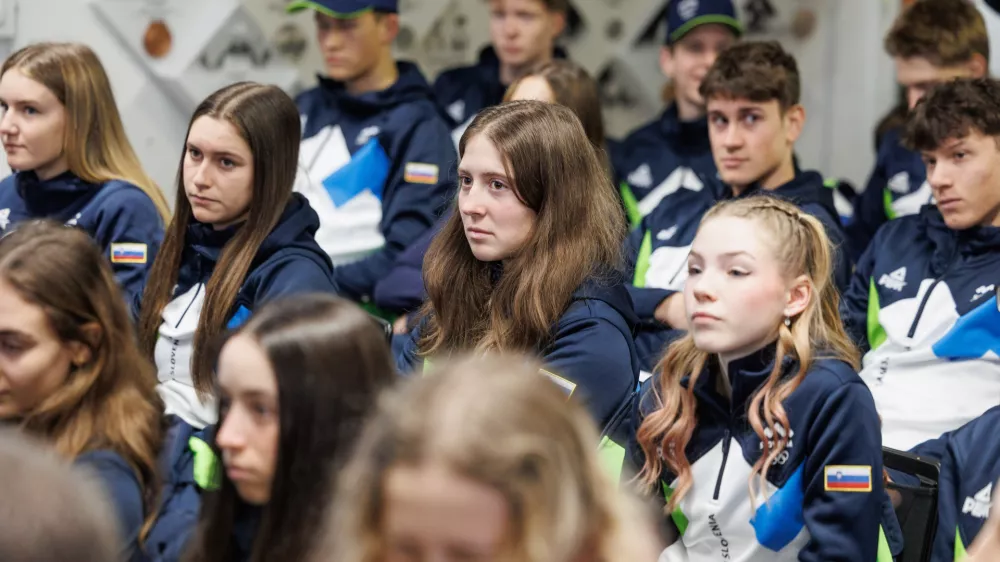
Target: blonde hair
<point x="525" y="441"/>
<point x="802" y="247"/>
<point x="96" y="147"/>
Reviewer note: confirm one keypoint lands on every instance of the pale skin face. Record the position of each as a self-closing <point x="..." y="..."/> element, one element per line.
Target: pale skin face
<point x="432" y="514"/>
<point x="918" y="75"/>
<point x="964" y="177"/>
<point x="497" y="223"/>
<point x="753" y="142"/>
<point x="357" y="51"/>
<point x="33" y="126"/>
<point x="523" y="33"/>
<point x="737" y="295"/>
<point x="218" y="173"/>
<point x="687" y="62"/>
<point x="34" y="361"/>
<point x="249" y="421"/>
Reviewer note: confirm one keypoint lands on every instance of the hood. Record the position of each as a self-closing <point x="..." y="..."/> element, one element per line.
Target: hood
<point x="949" y="243"/>
<point x="610" y="289"/>
<point x="296" y="229"/>
<point x="411" y="86"/>
<point x="52" y="196"/>
<point x="806" y="188"/>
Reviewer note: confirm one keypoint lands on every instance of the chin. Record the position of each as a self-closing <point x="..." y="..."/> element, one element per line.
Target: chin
<point x="959" y="222"/>
<point x="710" y="342"/>
<point x="341" y="74"/>
<point x="203" y="217"/>
<point x="252" y="494"/>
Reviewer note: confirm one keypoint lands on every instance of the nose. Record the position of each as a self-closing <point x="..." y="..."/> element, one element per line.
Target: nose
<point x="8" y="127"/>
<point x="703" y="288"/>
<point x="913" y="95"/>
<point x="939" y="177"/>
<point x="471" y="202"/>
<point x="231" y="436"/>
<point x="200" y="176"/>
<point x="732" y="139"/>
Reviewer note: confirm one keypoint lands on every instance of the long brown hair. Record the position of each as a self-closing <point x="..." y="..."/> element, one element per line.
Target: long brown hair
<point x="578" y="233"/>
<point x="802" y="247"/>
<point x="267" y="119"/>
<point x="330" y="360"/>
<point x="527" y="442"/>
<point x="96" y="147"/>
<point x="110" y="402"/>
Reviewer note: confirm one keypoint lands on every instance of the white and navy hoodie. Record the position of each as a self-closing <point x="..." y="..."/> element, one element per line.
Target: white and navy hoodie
<point x="288" y="262"/>
<point x="825" y="496"/>
<point x="121" y="219"/>
<point x="377" y="168"/>
<point x="922" y="305"/>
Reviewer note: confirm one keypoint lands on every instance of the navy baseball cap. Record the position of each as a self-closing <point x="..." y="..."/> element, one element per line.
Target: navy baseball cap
<point x="343" y="8"/>
<point x="685" y="15"/>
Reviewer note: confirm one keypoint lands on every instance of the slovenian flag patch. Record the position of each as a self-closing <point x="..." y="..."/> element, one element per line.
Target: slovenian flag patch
<point x="847" y="478"/>
<point x="128" y="253"/>
<point x="417" y="172"/>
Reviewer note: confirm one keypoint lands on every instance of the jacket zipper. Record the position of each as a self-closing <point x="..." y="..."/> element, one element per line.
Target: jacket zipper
<point x="725" y="457"/>
<point x="927" y="296"/>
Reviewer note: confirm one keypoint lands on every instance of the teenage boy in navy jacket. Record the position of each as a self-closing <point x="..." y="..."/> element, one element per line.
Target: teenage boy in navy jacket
<point x="376" y="152"/>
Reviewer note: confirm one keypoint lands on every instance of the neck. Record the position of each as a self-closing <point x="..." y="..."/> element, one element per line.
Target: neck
<point x="49" y="171"/>
<point x="510" y="72"/>
<point x="722" y="384"/>
<point x="784" y="173"/>
<point x="380" y="77"/>
<point x="689" y="111"/>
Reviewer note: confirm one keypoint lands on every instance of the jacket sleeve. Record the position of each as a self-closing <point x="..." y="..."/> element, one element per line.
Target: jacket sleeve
<point x="409" y="207"/>
<point x="949" y="502"/>
<point x="402" y="289"/>
<point x="294" y="274"/>
<point x="644" y="300"/>
<point x="594" y="357"/>
<point x="843" y="525"/>
<point x="869" y="208"/>
<point x="854" y="301"/>
<point x="130" y="218"/>
<point x="122" y="489"/>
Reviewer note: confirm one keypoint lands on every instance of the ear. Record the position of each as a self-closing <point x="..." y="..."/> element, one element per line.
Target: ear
<point x="800" y="293"/>
<point x="80" y="351"/>
<point x="977" y="65"/>
<point x="667" y="62"/>
<point x="795" y="120"/>
<point x="558" y="24"/>
<point x="389" y="27"/>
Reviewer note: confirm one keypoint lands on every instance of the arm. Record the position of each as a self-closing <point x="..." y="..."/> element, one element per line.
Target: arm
<point x="854" y="302"/>
<point x="405" y="350"/>
<point x="122" y="489"/>
<point x="843" y="525"/>
<point x="294" y="274"/>
<point x="129" y="231"/>
<point x="402" y="289"/>
<point x="646" y="301"/>
<point x="411" y="202"/>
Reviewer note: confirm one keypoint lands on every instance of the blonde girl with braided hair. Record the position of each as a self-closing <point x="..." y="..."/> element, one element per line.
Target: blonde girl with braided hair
<point x="756" y="430"/>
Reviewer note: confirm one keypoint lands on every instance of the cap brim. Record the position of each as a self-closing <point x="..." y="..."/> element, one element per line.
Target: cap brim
<point x="300" y="5"/>
<point x="728" y="21"/>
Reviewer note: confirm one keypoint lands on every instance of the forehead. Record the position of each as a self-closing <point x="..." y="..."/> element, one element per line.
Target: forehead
<point x="244" y="367"/>
<point x="736" y="105"/>
<point x="533" y="5"/>
<point x="481" y="155"/>
<point x="19" y="315"/>
<point x="974" y="138"/>
<point x="726" y="235"/>
<point x="15" y="86"/>
<point x="916" y="70"/>
<point x="217" y="135"/>
<point x="708" y="33"/>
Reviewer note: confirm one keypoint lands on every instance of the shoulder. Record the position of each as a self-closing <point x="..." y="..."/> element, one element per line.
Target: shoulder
<point x="124" y="197"/>
<point x="644" y="134"/>
<point x="119" y="481"/>
<point x="456" y="78"/>
<point x="832" y="380"/>
<point x="307" y="97"/>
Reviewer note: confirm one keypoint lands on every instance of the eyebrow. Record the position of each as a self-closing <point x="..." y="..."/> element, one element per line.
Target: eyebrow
<point x="489" y="173"/>
<point x="725" y="255"/>
<point x="219" y="153"/>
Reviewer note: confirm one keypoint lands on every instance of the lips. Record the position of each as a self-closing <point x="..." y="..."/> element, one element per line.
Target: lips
<point x="199" y="200"/>
<point x="703" y="317"/>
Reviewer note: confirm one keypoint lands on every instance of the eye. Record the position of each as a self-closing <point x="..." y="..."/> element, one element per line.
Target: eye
<point x="227" y="163"/>
<point x="194" y="153"/>
<point x="3" y="106"/>
<point x="28" y="110"/>
<point x="719" y="120"/>
<point x="497" y="184"/>
<point x="737" y="272"/>
<point x="465" y="181"/>
<point x="751" y="118"/>
<point x="261" y="411"/>
<point x="960" y="155"/>
<point x="693" y="270"/>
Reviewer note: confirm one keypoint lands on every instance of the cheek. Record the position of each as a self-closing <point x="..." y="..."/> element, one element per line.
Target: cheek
<point x="35" y="375"/>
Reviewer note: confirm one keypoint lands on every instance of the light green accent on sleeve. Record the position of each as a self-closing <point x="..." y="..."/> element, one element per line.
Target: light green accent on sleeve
<point x="884" y="554"/>
<point x="831" y="183"/>
<point x="206" y="465"/>
<point x="890" y="213"/>
<point x="642" y="262"/>
<point x="680" y="520"/>
<point x="612" y="457"/>
<point x="960" y="554"/>
<point x="631" y="205"/>
<point x="876" y="333"/>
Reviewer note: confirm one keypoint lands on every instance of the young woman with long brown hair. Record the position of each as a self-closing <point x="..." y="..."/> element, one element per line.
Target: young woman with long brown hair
<point x="64" y="138"/>
<point x="763" y="391"/>
<point x="529" y="260"/>
<point x="239" y="238"/>
<point x="70" y="371"/>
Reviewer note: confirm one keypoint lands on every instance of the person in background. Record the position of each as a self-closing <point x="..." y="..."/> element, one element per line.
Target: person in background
<point x="670" y="152"/>
<point x="530" y="259"/>
<point x="376" y="156"/>
<point x="240" y="238"/>
<point x="73" y="163"/>
<point x="523" y="36"/>
<point x="442" y="474"/>
<point x="754" y="119"/>
<point x="56" y="513"/>
<point x="932" y="41"/>
<point x="296" y="382"/>
<point x="71" y="373"/>
<point x="762" y="390"/>
<point x="921" y="304"/>
<point x="557" y="81"/>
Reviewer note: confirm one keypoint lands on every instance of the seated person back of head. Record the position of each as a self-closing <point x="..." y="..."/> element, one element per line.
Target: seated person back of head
<point x="932" y="41"/>
<point x="921" y="304"/>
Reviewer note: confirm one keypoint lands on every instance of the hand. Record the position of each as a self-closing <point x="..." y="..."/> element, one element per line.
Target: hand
<point x="672" y="312"/>
<point x="401" y="325"/>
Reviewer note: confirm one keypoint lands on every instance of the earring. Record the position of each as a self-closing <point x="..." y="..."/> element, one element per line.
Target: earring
<point x="788" y="321"/>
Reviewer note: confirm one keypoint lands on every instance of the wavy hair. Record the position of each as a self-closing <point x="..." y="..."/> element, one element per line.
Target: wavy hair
<point x="801" y="245"/>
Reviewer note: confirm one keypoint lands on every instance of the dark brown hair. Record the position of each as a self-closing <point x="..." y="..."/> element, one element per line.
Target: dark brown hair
<point x="110" y="402"/>
<point x="267" y="119"/>
<point x="330" y="360"/>
<point x="945" y="32"/>
<point x="758" y="71"/>
<point x="578" y="233"/>
<point x="952" y="110"/>
<point x="56" y="513"/>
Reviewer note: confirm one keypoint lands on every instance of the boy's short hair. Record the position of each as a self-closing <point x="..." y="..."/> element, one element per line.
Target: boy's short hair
<point x="759" y="71"/>
<point x="952" y="110"/>
<point x="945" y="32"/>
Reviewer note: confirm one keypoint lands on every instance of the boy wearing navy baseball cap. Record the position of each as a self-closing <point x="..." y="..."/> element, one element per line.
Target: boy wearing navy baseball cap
<point x="673" y="146"/>
<point x="376" y="153"/>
